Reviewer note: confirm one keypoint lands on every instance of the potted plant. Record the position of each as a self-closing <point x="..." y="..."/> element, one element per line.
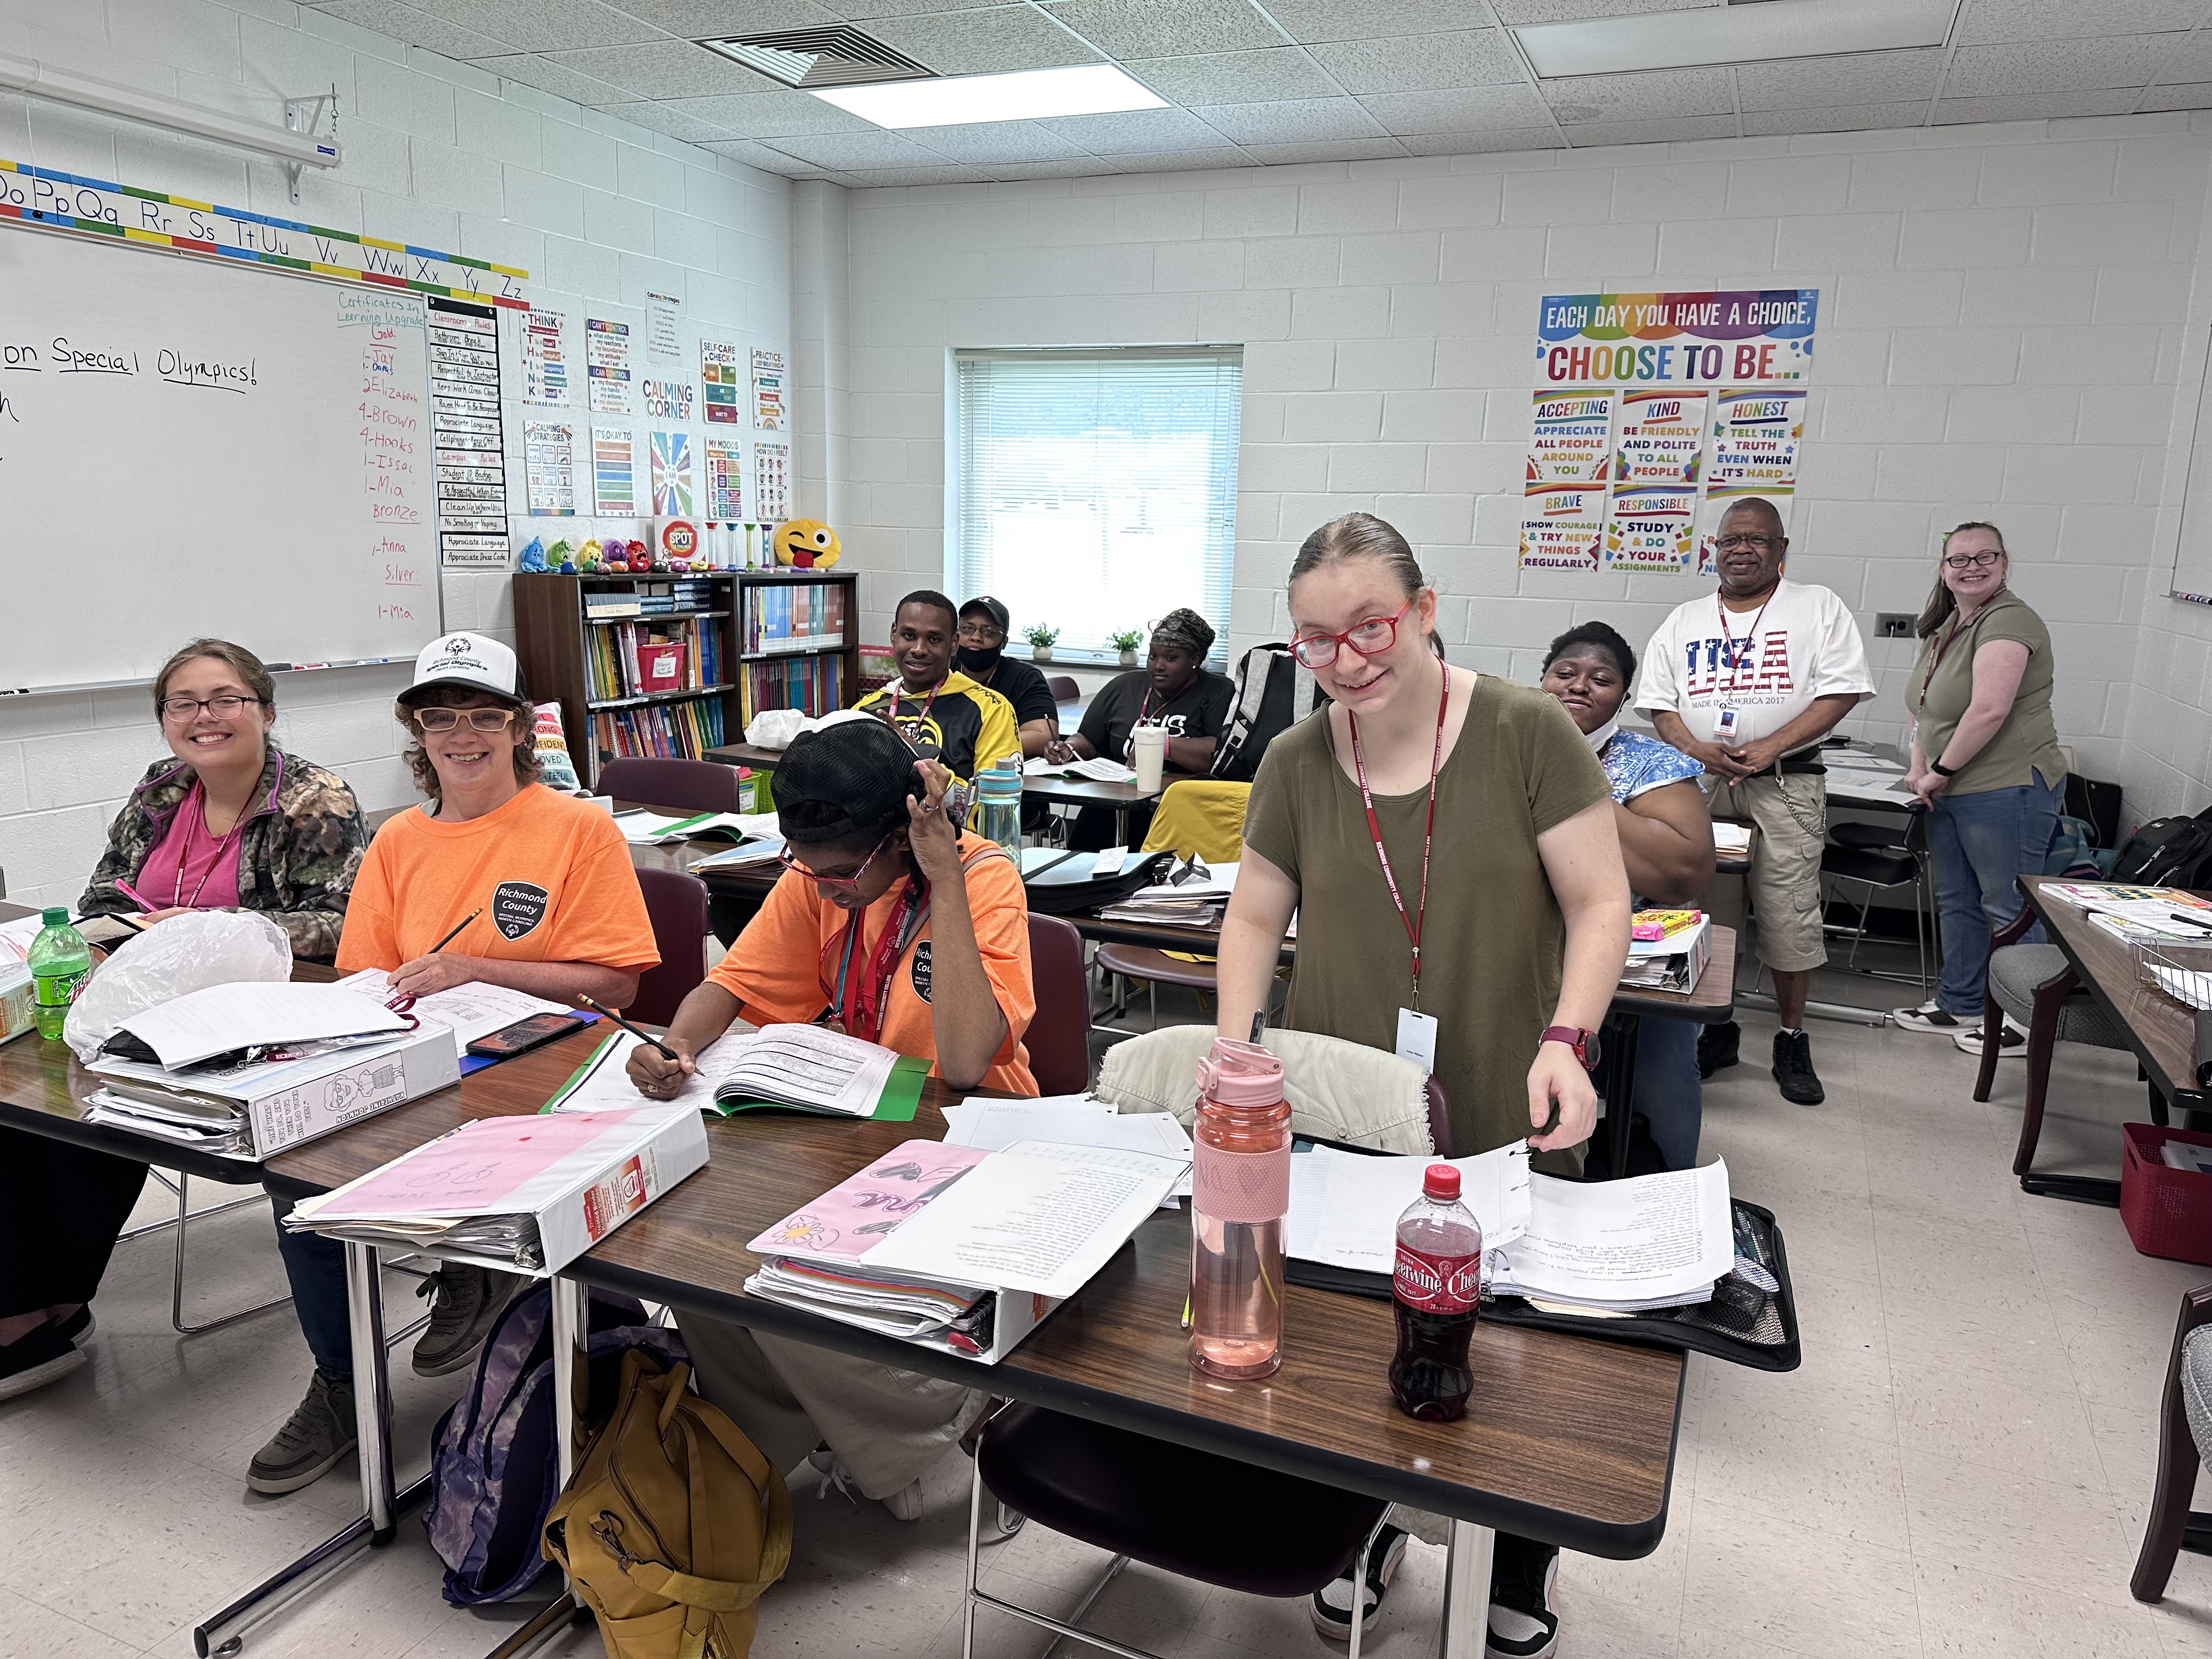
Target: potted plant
<point x="1126" y="643"/>
<point x="1040" y="638"/>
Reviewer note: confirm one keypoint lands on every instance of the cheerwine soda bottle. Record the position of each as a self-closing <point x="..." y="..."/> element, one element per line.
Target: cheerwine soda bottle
<point x="1240" y="1192"/>
<point x="1435" y="1289"/>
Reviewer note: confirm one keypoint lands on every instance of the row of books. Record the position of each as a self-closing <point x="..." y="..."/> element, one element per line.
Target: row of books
<point x="647" y="598"/>
<point x="802" y="617"/>
<point x="673" y="730"/>
<point x="639" y="658"/>
<point x="815" y="684"/>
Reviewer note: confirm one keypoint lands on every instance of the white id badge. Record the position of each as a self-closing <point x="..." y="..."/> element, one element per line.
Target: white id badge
<point x="1725" y="723"/>
<point x="1110" y="862"/>
<point x="1416" y="1038"/>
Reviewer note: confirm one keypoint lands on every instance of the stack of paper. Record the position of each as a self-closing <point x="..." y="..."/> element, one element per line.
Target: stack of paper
<point x="469" y="1011"/>
<point x="765" y="849"/>
<point x="643" y="827"/>
<point x="1344" y="1205"/>
<point x="1195" y="895"/>
<point x="1627" y="1246"/>
<point x="992" y="1126"/>
<point x="804" y="1069"/>
<point x="1098" y="770"/>
<point x="2139" y="915"/>
<point x="1731" y="840"/>
<point x="1672" y="964"/>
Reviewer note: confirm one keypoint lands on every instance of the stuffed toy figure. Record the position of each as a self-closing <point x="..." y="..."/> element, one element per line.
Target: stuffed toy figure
<point x="807" y="545"/>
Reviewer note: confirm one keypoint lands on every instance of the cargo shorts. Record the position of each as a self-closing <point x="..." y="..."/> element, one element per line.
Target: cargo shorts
<point x="1792" y="811"/>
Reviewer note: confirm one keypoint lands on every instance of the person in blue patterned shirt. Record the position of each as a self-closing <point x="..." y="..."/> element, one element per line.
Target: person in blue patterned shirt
<point x="1666" y="842"/>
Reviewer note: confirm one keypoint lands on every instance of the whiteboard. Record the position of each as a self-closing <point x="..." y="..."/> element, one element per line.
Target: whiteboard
<point x="192" y="448"/>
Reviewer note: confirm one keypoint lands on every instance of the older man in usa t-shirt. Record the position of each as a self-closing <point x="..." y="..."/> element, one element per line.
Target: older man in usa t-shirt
<point x="1747" y="681"/>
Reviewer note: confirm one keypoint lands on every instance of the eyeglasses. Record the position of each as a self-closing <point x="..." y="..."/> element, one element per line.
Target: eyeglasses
<point x="1749" y="544"/>
<point x="982" y="634"/>
<point x="181" y="709"/>
<point x="481" y="719"/>
<point x="1971" y="560"/>
<point x="1370" y="639"/>
<point x="836" y="884"/>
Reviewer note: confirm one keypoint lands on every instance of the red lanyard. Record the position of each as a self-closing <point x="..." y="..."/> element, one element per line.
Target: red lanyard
<point x="184" y="849"/>
<point x="1428" y="835"/>
<point x="922" y="718"/>
<point x="1728" y="658"/>
<point x="1130" y="743"/>
<point x="860" y="1006"/>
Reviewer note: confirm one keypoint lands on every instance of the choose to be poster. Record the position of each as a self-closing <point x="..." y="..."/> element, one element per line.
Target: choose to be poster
<point x="1561" y="527"/>
<point x="1755" y="437"/>
<point x="1572" y="439"/>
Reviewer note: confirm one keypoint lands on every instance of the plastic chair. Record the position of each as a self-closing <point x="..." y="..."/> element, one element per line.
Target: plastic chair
<point x="2185" y="1440"/>
<point x="676" y="785"/>
<point x="1062" y="687"/>
<point x="1059" y="1038"/>
<point x="677" y="905"/>
<point x="1881" y="869"/>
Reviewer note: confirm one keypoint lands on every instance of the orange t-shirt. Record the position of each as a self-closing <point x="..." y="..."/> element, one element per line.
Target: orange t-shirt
<point x="551" y="874"/>
<point x="783" y="968"/>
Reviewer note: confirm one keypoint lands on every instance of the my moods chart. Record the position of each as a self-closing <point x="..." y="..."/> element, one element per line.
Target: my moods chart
<point x="1651" y="412"/>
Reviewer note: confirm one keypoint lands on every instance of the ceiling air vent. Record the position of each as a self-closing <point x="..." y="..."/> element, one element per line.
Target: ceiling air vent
<point x="809" y="59"/>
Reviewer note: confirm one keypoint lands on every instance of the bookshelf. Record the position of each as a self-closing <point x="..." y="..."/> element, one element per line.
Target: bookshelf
<point x="750" y="640"/>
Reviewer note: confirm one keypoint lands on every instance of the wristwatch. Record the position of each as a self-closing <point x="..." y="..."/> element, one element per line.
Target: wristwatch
<point x="1941" y="770"/>
<point x="1584" y="1043"/>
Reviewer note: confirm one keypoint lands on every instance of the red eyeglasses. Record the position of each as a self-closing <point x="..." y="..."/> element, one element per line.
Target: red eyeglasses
<point x="839" y="883"/>
<point x="1370" y="639"/>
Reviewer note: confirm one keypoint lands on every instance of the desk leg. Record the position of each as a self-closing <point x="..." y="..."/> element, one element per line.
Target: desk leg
<point x="1466" y="1593"/>
<point x="1621" y="1089"/>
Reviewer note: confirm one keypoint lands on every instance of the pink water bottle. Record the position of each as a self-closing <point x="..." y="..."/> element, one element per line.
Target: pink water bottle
<point x="1436" y="1288"/>
<point x="1240" y="1193"/>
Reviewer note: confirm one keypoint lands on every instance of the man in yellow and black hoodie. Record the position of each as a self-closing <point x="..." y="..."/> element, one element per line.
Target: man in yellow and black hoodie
<point x="946" y="716"/>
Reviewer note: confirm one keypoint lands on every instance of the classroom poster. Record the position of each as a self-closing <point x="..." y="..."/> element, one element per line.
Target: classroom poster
<point x="606" y="365"/>
<point x="1569" y="441"/>
<point x="767" y="390"/>
<point x="725" y="489"/>
<point x="662" y="337"/>
<point x="1664" y="359"/>
<point x="667" y="400"/>
<point x="672" y="475"/>
<point x="614" y="473"/>
<point x="549" y="468"/>
<point x="772" y="482"/>
<point x="545" y="357"/>
<point x="1561" y="526"/>
<point x="718" y="382"/>
<point x="468" y="446"/>
<point x="1756" y="434"/>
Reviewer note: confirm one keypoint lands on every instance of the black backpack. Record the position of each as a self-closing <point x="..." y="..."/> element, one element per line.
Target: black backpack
<point x="2173" y="852"/>
<point x="1273" y="693"/>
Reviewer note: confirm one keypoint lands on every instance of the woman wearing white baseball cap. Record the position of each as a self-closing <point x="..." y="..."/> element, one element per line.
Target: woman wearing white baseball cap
<point x="540" y="888"/>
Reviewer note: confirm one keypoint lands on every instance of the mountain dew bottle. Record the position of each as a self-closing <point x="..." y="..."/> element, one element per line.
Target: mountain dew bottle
<point x="59" y="960"/>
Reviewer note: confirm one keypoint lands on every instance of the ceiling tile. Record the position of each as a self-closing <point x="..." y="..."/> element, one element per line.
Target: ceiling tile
<point x="545" y="25"/>
<point x="1364" y="19"/>
<point x="1193" y="159"/>
<point x="697" y="19"/>
<point x="1088" y="166"/>
<point x="1651" y="96"/>
<point x="1421" y="63"/>
<point x="1677" y="129"/>
<point x="2126" y="60"/>
<point x="1133" y="130"/>
<point x="1166" y="28"/>
<point x="2198" y="95"/>
<point x="1479" y="143"/>
<point x="1570" y="11"/>
<point x="1986" y="22"/>
<point x="1290" y="121"/>
<point x="1466" y="109"/>
<point x="1342" y="150"/>
<point x="986" y="143"/>
<point x="558" y="79"/>
<point x="983" y="42"/>
<point x="417" y="29"/>
<point x="664" y="119"/>
<point x="2035" y="106"/>
<point x="665" y="69"/>
<point x="848" y="151"/>
<point x="899" y="177"/>
<point x="1867" y="77"/>
<point x="758" y="156"/>
<point x="2191" y="60"/>
<point x="1847" y="117"/>
<point x="1243" y="78"/>
<point x="860" y="11"/>
<point x="772" y="114"/>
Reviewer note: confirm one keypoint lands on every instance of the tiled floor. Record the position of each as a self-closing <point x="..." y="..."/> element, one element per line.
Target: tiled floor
<point x="1962" y="1465"/>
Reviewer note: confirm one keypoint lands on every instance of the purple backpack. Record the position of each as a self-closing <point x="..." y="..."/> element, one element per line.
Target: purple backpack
<point x="495" y="1458"/>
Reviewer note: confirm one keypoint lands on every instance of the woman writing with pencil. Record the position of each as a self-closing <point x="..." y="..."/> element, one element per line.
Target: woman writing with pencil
<point x="495" y="879"/>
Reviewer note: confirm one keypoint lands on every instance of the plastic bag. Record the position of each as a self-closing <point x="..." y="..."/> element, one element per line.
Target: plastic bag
<point x="775" y="729"/>
<point x="184" y="954"/>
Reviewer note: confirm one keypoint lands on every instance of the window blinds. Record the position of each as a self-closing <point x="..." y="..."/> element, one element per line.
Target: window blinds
<point x="1097" y="489"/>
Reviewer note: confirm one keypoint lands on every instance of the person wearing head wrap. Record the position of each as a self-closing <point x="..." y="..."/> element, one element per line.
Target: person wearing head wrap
<point x="1175" y="689"/>
<point x="891" y="924"/>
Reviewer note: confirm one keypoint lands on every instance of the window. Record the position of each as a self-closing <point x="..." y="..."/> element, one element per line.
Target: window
<point x="1097" y="489"/>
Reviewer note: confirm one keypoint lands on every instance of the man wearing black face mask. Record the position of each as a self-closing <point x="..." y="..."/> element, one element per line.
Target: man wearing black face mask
<point x="983" y="658"/>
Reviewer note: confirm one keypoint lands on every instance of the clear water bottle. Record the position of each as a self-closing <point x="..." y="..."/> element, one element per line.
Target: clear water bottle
<point x="998" y="815"/>
<point x="1435" y="1289"/>
<point x="59" y="960"/>
<point x="1240" y="1193"/>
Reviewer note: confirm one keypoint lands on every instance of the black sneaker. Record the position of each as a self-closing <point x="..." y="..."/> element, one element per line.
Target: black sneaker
<point x="78" y="1325"/>
<point x="1332" y="1603"/>
<point x="1793" y="1069"/>
<point x="465" y="1300"/>
<point x="313" y="1443"/>
<point x="1524" y="1614"/>
<point x="33" y="1360"/>
<point x="1717" y="1047"/>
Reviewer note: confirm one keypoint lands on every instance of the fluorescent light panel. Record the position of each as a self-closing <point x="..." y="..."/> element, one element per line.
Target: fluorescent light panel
<point x="1733" y="34"/>
<point x="1023" y="95"/>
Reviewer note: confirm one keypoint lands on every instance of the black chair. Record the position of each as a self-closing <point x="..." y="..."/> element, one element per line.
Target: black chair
<point x="2184" y="1439"/>
<point x="1882" y="868"/>
<point x="1152" y="1501"/>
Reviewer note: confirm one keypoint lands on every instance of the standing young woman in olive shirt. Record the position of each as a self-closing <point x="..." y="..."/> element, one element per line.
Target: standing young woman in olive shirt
<point x="1986" y="762"/>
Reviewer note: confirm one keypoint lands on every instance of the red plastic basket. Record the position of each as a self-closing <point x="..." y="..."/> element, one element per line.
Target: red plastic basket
<point x="2166" y="1211"/>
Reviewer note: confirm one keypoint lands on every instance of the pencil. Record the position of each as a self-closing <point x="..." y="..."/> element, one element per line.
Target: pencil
<point x="456" y="933"/>
<point x="600" y="1008"/>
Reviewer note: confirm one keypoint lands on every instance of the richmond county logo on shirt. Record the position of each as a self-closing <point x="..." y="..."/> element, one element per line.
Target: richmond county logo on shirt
<point x="517" y="907"/>
<point x="920" y="974"/>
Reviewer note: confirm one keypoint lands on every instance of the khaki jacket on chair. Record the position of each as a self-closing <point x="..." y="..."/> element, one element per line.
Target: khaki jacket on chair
<point x="1337" y="1091"/>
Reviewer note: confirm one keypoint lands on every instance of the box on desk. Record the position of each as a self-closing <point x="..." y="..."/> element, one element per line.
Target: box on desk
<point x="1676" y="962"/>
<point x="18" y="1013"/>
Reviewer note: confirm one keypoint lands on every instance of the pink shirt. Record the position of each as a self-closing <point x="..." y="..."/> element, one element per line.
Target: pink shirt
<point x="190" y="867"/>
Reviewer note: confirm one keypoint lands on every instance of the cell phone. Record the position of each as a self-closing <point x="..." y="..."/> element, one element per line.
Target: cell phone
<point x="525" y="1035"/>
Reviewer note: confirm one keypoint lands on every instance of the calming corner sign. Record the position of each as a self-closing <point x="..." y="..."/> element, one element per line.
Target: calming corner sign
<point x="93" y="207"/>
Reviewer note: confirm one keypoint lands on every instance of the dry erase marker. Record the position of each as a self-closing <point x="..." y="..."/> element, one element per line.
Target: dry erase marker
<point x="642" y="1037"/>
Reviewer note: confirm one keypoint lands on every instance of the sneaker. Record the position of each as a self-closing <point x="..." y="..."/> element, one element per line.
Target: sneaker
<point x="2012" y="1040"/>
<point x="1524" y="1616"/>
<point x="1929" y="1016"/>
<point x="904" y="1504"/>
<point x="313" y="1443"/>
<point x="32" y="1361"/>
<point x="465" y="1300"/>
<point x="79" y="1325"/>
<point x="1793" y="1069"/>
<point x="1332" y="1603"/>
<point x="1717" y="1047"/>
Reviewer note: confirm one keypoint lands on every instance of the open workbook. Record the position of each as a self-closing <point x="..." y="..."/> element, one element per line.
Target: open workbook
<point x="800" y="1069"/>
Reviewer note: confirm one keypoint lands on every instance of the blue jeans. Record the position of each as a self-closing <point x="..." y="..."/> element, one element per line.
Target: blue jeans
<point x="316" y="1267"/>
<point x="1981" y="844"/>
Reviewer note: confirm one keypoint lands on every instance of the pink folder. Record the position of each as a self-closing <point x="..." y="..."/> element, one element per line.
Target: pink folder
<point x="854" y="1215"/>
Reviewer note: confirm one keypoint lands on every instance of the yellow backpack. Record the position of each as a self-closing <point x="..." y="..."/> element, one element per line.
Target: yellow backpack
<point x="674" y="1524"/>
